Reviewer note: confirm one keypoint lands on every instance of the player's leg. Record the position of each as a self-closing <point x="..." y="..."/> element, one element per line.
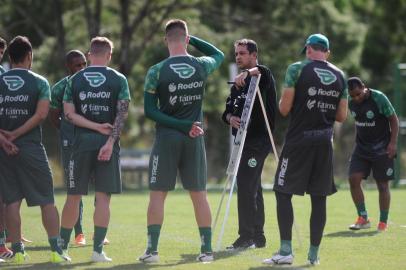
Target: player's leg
<point x="80" y="167"/>
<point x="383" y="172"/>
<point x="79" y="235"/>
<point x="101" y="220"/>
<point x="162" y="172"/>
<point x="317" y="223"/>
<point x="13" y="222"/>
<point x="5" y="252"/>
<point x="359" y="170"/>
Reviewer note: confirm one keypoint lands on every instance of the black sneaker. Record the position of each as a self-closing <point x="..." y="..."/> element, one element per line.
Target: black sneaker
<point x="241" y="243"/>
<point x="260" y="241"/>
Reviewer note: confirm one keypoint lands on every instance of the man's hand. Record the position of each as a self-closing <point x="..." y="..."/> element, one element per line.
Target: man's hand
<point x="235" y="121"/>
<point x="105" y="128"/>
<point x="106" y="151"/>
<point x="240" y="78"/>
<point x="10" y="136"/>
<point x="10" y="148"/>
<point x="391" y="150"/>
<point x="196" y="130"/>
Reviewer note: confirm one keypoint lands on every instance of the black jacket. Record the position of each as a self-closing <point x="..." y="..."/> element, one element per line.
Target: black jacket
<point x="236" y="99"/>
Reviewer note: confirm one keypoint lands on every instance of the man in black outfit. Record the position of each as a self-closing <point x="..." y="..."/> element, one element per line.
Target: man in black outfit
<point x="251" y="217"/>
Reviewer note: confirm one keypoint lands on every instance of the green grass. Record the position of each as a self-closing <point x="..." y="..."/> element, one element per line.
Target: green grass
<point x="179" y="242"/>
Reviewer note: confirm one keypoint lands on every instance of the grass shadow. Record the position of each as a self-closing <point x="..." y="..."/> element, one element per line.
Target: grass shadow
<point x="281" y="267"/>
<point x="352" y="234"/>
<point x="44" y="266"/>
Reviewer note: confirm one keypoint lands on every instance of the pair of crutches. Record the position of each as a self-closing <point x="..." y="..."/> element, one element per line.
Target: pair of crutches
<point x="236" y="153"/>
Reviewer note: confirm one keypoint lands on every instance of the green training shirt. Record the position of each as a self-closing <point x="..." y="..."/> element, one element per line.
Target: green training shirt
<point x="178" y="84"/>
<point x="20" y="91"/>
<point x="94" y="91"/>
<point x="372" y="123"/>
<point x="66" y="129"/>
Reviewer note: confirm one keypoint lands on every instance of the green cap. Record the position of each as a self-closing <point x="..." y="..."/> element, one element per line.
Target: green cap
<point x="317" y="39"/>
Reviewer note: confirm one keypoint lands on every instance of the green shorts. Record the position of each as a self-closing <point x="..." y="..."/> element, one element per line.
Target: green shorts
<point x="172" y="152"/>
<point x="84" y="165"/>
<point x="27" y="175"/>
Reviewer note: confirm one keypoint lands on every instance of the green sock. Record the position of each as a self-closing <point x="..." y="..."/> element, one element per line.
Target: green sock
<point x="205" y="236"/>
<point x="99" y="235"/>
<point x="3" y="237"/>
<point x="384" y="216"/>
<point x="286" y="247"/>
<point x="361" y="210"/>
<point x="54" y="242"/>
<point x="65" y="236"/>
<point x="17" y="247"/>
<point x="313" y="253"/>
<point x="153" y="237"/>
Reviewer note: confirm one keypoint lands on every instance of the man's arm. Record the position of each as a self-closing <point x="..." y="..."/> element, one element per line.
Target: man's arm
<point x="80" y="121"/>
<point x="40" y="114"/>
<point x="286" y="101"/>
<point x="341" y="113"/>
<point x="215" y="56"/>
<point x="55" y="117"/>
<point x="152" y="112"/>
<point x="394" y="130"/>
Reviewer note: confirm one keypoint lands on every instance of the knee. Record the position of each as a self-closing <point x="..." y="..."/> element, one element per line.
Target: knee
<point x="383" y="187"/>
<point x="355" y="181"/>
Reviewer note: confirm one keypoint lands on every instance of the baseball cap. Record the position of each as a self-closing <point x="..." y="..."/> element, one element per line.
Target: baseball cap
<point x="317" y="39"/>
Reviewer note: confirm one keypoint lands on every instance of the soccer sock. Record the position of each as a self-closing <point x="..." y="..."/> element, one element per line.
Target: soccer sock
<point x="153" y="237"/>
<point x="384" y="216"/>
<point x="286" y="247"/>
<point x="54" y="243"/>
<point x="78" y="225"/>
<point x="205" y="236"/>
<point x="313" y="253"/>
<point x="361" y="210"/>
<point x="3" y="238"/>
<point x="17" y="247"/>
<point x="65" y="235"/>
<point x="99" y="235"/>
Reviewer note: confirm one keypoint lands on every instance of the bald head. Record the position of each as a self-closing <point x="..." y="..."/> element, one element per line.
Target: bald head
<point x="75" y="60"/>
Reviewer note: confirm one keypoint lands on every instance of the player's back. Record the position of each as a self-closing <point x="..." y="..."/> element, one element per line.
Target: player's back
<point x="318" y="90"/>
<point x="20" y="91"/>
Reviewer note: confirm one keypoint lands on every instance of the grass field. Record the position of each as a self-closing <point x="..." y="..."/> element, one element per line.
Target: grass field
<point x="179" y="242"/>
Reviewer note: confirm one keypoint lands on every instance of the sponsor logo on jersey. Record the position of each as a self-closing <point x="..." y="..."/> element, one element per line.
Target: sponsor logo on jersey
<point x="172" y="100"/>
<point x="95" y="79"/>
<point x="101" y="95"/>
<point x="312" y="91"/>
<point x="324" y="106"/>
<point x="93" y="108"/>
<point x="192" y="85"/>
<point x="183" y="70"/>
<point x="18" y="98"/>
<point x="282" y="171"/>
<point x="252" y="162"/>
<point x="154" y="171"/>
<point x="310" y="104"/>
<point x="389" y="171"/>
<point x="370" y="114"/>
<point x="365" y="124"/>
<point x="13" y="82"/>
<point x="172" y="87"/>
<point x="13" y="113"/>
<point x="353" y="114"/>
<point x="326" y="76"/>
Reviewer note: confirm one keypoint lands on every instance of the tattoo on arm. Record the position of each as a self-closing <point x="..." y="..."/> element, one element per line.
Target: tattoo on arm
<point x="122" y="113"/>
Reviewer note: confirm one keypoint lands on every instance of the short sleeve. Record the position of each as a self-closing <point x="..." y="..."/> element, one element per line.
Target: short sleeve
<point x="57" y="92"/>
<point x="67" y="97"/>
<point x="151" y="80"/>
<point x="44" y="91"/>
<point x="384" y="105"/>
<point x="124" y="93"/>
<point x="292" y="74"/>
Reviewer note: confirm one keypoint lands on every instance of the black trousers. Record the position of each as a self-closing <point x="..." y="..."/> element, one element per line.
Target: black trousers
<point x="251" y="216"/>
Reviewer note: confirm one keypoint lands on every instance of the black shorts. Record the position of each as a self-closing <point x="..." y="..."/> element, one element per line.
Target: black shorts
<point x="382" y="166"/>
<point x="27" y="175"/>
<point x="306" y="169"/>
<point x="83" y="166"/>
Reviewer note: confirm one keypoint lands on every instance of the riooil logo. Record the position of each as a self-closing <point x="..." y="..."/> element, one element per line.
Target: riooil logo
<point x="172" y="87"/>
<point x="183" y="70"/>
<point x="312" y="91"/>
<point x="95" y="79"/>
<point x="370" y="114"/>
<point x="252" y="162"/>
<point x="13" y="82"/>
<point x="82" y="95"/>
<point x="326" y="76"/>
